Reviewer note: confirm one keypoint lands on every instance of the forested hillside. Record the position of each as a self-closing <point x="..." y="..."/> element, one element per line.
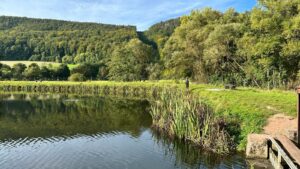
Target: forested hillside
<point x="120" y="51"/>
<point x="60" y="41"/>
<point x="161" y="32"/>
<point x="259" y="48"/>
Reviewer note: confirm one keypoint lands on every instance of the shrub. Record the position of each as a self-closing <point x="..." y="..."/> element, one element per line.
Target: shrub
<point x="77" y="77"/>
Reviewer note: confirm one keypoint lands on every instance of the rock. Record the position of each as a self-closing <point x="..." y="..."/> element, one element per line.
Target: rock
<point x="257" y="146"/>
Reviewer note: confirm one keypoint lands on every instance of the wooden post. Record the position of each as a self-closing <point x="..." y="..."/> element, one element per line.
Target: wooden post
<point x="298" y="114"/>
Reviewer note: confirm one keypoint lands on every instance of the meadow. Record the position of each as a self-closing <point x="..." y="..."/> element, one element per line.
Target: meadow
<point x="40" y="63"/>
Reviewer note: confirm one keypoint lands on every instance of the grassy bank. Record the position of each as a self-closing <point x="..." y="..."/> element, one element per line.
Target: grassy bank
<point x="245" y="109"/>
<point x="248" y="107"/>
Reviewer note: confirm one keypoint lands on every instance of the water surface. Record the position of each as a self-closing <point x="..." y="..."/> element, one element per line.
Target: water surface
<point x="88" y="132"/>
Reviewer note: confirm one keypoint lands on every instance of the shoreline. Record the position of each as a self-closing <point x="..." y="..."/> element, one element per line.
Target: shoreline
<point x="247" y="108"/>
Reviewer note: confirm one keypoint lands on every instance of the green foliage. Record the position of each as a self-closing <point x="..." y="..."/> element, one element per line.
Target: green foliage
<point x="47" y="73"/>
<point x="67" y="59"/>
<point x="62" y="72"/>
<point x="186" y="117"/>
<point x="32" y="72"/>
<point x="161" y="32"/>
<point x="18" y="70"/>
<point x="89" y="71"/>
<point x="130" y="63"/>
<point x="77" y="77"/>
<point x="155" y="71"/>
<point x="256" y="48"/>
<point x="5" y="72"/>
<point x="53" y="40"/>
<point x="103" y="73"/>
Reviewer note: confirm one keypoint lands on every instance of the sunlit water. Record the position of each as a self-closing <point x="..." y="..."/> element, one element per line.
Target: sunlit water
<point x="72" y="132"/>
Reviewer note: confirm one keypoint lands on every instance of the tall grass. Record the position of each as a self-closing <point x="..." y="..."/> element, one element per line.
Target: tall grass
<point x="184" y="116"/>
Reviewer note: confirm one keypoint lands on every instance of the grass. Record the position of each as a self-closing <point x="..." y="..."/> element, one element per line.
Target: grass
<point x="246" y="109"/>
<point x="184" y="116"/>
<point x="27" y="63"/>
<point x="249" y="107"/>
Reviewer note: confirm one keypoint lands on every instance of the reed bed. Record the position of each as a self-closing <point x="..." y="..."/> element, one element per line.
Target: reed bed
<point x="182" y="115"/>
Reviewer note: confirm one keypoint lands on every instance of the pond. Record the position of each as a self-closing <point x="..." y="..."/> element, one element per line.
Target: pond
<point x="89" y="132"/>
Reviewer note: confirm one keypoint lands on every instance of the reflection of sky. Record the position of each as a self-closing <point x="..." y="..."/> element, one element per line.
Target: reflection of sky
<point x="111" y="151"/>
<point x="141" y="13"/>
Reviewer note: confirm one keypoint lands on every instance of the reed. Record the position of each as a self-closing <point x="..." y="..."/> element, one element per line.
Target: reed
<point x="186" y="117"/>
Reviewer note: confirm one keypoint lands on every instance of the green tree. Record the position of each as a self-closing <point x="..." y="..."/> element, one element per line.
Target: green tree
<point x="103" y="73"/>
<point x="77" y="77"/>
<point x="130" y="63"/>
<point x="220" y="52"/>
<point x="67" y="59"/>
<point x="89" y="71"/>
<point x="18" y="70"/>
<point x="46" y="73"/>
<point x="32" y="72"/>
<point x="5" y="72"/>
<point x="62" y="72"/>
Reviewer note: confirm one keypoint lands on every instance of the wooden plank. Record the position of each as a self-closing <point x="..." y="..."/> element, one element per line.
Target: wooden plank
<point x="286" y="158"/>
<point x="274" y="160"/>
<point x="290" y="147"/>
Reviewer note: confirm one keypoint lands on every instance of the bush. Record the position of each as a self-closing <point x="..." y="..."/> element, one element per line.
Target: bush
<point x="89" y="71"/>
<point x="77" y="77"/>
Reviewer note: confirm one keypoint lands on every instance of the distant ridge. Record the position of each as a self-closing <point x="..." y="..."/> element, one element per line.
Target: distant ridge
<point x="8" y="22"/>
<point x="24" y="38"/>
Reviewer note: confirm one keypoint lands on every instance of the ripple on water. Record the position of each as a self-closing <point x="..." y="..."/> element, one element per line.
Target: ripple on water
<point x="93" y="133"/>
<point x="116" y="150"/>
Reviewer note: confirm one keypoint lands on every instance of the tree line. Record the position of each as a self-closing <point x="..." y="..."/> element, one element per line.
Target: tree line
<point x="260" y="47"/>
<point x="34" y="72"/>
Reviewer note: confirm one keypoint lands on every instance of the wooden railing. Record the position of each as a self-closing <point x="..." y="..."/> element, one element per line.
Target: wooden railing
<point x="282" y="153"/>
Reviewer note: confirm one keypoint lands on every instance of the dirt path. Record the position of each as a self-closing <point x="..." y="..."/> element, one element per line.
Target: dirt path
<point x="280" y="124"/>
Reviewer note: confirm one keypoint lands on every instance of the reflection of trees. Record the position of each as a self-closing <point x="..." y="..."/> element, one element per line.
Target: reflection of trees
<point x="44" y="116"/>
<point x="191" y="156"/>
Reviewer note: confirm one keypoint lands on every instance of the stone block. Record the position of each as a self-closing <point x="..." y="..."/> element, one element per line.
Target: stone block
<point x="257" y="146"/>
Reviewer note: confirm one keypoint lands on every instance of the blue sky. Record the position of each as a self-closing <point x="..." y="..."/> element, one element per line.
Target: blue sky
<point x="141" y="13"/>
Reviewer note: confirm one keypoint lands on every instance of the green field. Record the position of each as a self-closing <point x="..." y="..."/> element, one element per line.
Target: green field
<point x="248" y="107"/>
<point x="27" y="63"/>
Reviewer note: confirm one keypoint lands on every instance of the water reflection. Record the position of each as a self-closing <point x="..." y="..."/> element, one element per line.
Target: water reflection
<point x="45" y="116"/>
<point x="69" y="131"/>
<point x="191" y="156"/>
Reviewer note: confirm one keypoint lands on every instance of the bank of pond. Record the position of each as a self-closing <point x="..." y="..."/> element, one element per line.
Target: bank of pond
<point x="175" y="113"/>
<point x="76" y="131"/>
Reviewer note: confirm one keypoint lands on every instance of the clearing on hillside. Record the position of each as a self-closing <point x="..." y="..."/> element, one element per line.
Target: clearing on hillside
<point x="40" y="63"/>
